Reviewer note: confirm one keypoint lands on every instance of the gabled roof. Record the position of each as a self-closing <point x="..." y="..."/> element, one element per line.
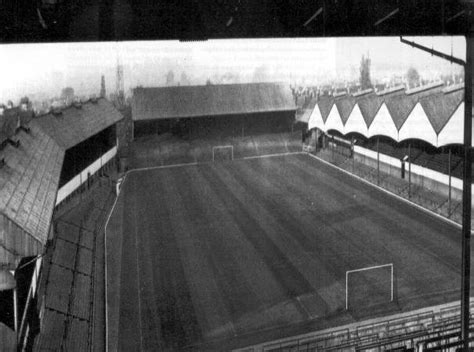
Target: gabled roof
<point x="369" y="105"/>
<point x="344" y="106"/>
<point x="440" y="107"/>
<point x="325" y="104"/>
<point x="400" y="107"/>
<point x="29" y="179"/>
<point x="210" y="100"/>
<point x="418" y="126"/>
<point x="391" y="108"/>
<point x="75" y="125"/>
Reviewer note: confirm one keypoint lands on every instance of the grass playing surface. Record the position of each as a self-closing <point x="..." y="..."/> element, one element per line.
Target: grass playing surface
<point x="231" y="250"/>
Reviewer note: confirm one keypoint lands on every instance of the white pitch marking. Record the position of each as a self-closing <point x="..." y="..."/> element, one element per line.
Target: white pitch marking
<point x="138" y="279"/>
<point x="310" y="316"/>
<point x="106" y="269"/>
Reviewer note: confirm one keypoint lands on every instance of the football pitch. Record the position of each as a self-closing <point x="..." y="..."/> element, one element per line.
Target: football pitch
<point x="227" y="254"/>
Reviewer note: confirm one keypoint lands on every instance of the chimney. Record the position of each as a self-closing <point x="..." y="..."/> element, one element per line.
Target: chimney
<point x="102" y="87"/>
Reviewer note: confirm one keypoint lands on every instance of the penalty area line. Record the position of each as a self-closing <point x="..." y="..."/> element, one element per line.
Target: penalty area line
<point x="208" y="162"/>
<point x="428" y="211"/>
<point x="161" y="167"/>
<point x="271" y="155"/>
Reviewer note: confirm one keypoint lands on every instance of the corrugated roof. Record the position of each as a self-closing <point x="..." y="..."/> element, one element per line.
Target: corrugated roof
<point x="325" y="104"/>
<point x="210" y="100"/>
<point x="437" y="104"/>
<point x="440" y="107"/>
<point x="75" y="125"/>
<point x="369" y="106"/>
<point x="30" y="177"/>
<point x="29" y="180"/>
<point x="344" y="106"/>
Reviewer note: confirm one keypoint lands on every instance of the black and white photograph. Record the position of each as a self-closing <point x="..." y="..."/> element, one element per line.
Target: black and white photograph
<point x="236" y="175"/>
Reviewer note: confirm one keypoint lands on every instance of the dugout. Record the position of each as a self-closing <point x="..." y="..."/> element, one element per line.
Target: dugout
<point x="213" y="111"/>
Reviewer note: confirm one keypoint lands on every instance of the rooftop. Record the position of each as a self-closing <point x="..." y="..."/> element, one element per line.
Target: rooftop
<point x="75" y="124"/>
<point x="210" y="100"/>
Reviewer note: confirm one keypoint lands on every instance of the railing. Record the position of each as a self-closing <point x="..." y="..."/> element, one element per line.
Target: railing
<point x="420" y="331"/>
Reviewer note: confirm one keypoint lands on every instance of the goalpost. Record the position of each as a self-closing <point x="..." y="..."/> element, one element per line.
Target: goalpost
<point x="378" y="281"/>
<point x="220" y="151"/>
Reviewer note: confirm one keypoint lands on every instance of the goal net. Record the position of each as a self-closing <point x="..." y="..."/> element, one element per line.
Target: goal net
<point x="369" y="286"/>
<point x="223" y="152"/>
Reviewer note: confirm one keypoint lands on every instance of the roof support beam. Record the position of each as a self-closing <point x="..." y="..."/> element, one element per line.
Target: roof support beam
<point x="467" y="168"/>
<point x="453" y="17"/>
<point x="316" y="14"/>
<point x="466" y="187"/>
<point x="434" y="52"/>
<point x="391" y="14"/>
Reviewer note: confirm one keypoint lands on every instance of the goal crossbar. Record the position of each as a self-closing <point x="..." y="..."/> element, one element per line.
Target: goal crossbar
<point x="365" y="269"/>
<point x="214" y="148"/>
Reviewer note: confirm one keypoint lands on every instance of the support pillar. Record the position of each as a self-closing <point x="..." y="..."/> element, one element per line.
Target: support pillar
<point x="378" y="162"/>
<point x="409" y="171"/>
<point x="466" y="197"/>
<point x="449" y="184"/>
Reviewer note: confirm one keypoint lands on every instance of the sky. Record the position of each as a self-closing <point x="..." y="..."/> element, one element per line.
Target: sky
<point x="42" y="70"/>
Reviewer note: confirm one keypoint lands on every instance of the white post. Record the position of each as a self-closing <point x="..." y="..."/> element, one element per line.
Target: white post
<point x="365" y="269"/>
<point x="347" y="291"/>
<point x="15" y="313"/>
<point x="391" y="287"/>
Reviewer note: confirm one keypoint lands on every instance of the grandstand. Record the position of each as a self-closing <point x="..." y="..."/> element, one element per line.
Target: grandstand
<point x="37" y="178"/>
<point x="184" y="123"/>
<point x="414" y="134"/>
<point x="422" y="330"/>
<point x="433" y="115"/>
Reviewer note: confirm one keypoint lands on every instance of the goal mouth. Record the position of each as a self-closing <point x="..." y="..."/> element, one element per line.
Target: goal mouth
<point x="222" y="152"/>
<point x="369" y="287"/>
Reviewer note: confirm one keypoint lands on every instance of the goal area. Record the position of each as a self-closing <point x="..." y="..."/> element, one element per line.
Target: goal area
<point x="222" y="152"/>
<point x="369" y="286"/>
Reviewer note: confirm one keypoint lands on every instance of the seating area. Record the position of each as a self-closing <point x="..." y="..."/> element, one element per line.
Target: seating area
<point x="429" y="329"/>
<point x="68" y="293"/>
<point x="167" y="149"/>
<point x="32" y="154"/>
<point x="431" y="158"/>
<point x="422" y="196"/>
